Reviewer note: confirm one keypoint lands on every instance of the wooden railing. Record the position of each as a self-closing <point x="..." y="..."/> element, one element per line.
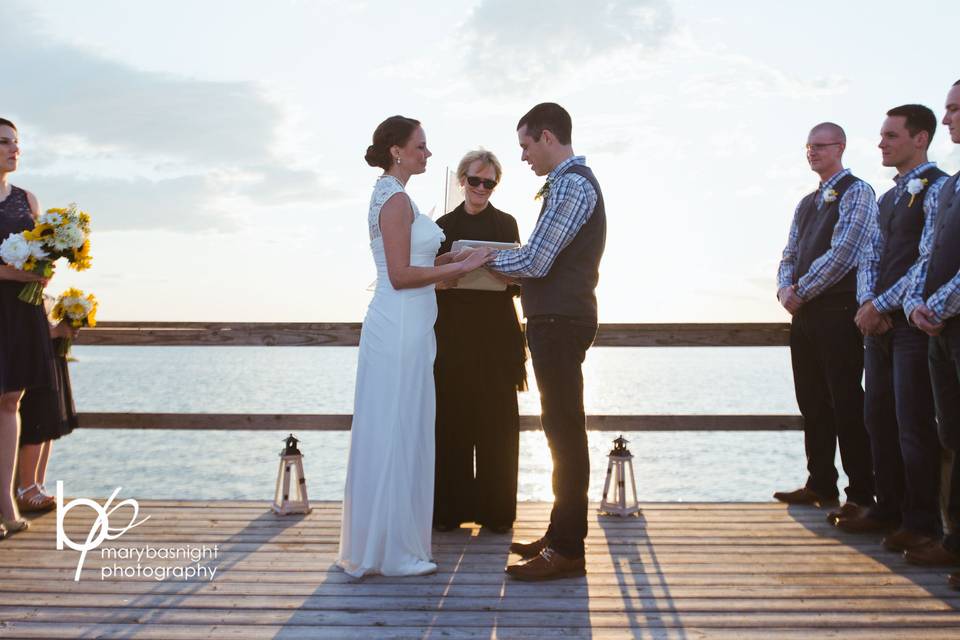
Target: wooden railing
<point x="326" y="334"/>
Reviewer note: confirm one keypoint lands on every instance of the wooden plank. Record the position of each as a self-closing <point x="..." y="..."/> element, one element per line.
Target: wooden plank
<point x="547" y="625"/>
<point x="312" y="334"/>
<point x="253" y="605"/>
<point x="114" y="631"/>
<point x="520" y="590"/>
<point x="341" y="422"/>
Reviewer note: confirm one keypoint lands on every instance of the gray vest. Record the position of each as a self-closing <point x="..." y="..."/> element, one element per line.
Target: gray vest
<point x="569" y="287"/>
<point x="945" y="252"/>
<point x="901" y="226"/>
<point x="814" y="232"/>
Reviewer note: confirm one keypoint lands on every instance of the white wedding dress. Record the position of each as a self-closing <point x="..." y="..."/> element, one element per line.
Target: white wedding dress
<point x="388" y="500"/>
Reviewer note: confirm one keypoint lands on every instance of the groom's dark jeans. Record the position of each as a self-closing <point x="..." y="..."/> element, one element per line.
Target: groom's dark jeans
<point x="558" y="345"/>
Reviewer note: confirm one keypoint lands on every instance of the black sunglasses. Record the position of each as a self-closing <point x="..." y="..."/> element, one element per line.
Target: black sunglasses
<point x="476" y="181"/>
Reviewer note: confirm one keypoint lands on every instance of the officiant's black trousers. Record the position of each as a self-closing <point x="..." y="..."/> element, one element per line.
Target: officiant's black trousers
<point x="826" y="349"/>
<point x="558" y="345"/>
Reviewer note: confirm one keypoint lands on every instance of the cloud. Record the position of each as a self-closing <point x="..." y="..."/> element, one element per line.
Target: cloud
<point x="62" y="89"/>
<point x="143" y="149"/>
<point x="516" y="44"/>
<point x="184" y="204"/>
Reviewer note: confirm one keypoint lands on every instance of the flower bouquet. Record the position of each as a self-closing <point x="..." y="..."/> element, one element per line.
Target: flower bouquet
<point x="59" y="233"/>
<point x="76" y="308"/>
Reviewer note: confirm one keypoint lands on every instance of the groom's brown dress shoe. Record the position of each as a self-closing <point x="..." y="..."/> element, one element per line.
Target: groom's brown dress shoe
<point x="803" y="495"/>
<point x="529" y="549"/>
<point x="954" y="580"/>
<point x="549" y="565"/>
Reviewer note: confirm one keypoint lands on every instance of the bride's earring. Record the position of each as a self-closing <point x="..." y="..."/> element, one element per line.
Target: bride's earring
<point x="398" y="159"/>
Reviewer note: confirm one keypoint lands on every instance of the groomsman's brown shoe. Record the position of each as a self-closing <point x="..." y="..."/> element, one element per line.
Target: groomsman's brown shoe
<point x="865" y="524"/>
<point x="905" y="540"/>
<point x="954" y="580"/>
<point x="528" y="550"/>
<point x="549" y="565"/>
<point x="848" y="510"/>
<point x="932" y="555"/>
<point x="803" y="495"/>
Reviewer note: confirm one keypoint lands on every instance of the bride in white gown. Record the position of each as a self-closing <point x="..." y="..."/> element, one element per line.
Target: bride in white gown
<point x="388" y="500"/>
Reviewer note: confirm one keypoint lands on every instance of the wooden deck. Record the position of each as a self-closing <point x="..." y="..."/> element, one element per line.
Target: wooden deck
<point x="679" y="571"/>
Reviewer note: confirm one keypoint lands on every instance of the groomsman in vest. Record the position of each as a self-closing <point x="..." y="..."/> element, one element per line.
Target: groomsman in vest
<point x="559" y="269"/>
<point x="898" y="408"/>
<point x="933" y="305"/>
<point x="817" y="285"/>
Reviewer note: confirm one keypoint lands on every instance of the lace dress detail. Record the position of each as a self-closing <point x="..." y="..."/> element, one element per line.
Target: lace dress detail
<point x="383" y="190"/>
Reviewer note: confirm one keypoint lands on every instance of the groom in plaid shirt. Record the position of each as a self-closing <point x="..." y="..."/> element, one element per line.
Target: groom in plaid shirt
<point x="558" y="269"/>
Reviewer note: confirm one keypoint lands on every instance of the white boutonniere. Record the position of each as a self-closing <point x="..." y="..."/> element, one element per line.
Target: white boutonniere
<point x="830" y="195"/>
<point x="914" y="187"/>
<point x="544" y="190"/>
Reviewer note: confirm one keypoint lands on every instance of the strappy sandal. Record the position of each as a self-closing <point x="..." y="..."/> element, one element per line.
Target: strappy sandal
<point x="3" y="532"/>
<point x="36" y="503"/>
<point x="14" y="526"/>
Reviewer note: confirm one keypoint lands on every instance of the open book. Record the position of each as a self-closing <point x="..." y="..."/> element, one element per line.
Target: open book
<point x="481" y="279"/>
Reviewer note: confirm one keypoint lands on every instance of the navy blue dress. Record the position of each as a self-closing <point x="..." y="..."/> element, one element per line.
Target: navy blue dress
<point x="26" y="352"/>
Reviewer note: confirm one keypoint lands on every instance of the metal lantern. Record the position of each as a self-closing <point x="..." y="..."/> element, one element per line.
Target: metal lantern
<point x="291" y="493"/>
<point x="620" y="461"/>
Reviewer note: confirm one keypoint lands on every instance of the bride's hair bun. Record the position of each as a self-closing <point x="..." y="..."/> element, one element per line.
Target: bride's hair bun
<point x="377" y="157"/>
<point x="394" y="131"/>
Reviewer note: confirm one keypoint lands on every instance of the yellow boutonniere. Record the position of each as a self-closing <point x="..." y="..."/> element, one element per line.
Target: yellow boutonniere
<point x="544" y="190"/>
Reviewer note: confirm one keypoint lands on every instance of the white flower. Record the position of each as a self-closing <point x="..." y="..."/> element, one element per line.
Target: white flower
<point x="36" y="250"/>
<point x="70" y="304"/>
<point x="16" y="250"/>
<point x="830" y="195"/>
<point x="51" y="218"/>
<point x="69" y="236"/>
<point x="915" y="186"/>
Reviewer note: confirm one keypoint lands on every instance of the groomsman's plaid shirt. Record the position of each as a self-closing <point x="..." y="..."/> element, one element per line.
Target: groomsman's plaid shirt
<point x="850" y="236"/>
<point x="893" y="298"/>
<point x="945" y="301"/>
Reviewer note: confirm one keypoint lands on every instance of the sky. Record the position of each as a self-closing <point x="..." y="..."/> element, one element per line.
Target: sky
<point x="219" y="145"/>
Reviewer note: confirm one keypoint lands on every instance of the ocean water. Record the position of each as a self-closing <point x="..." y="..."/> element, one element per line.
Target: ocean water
<point x="669" y="466"/>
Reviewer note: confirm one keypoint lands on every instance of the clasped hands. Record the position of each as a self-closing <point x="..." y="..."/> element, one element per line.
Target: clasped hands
<point x="925" y="320"/>
<point x="870" y="321"/>
<point x="472" y="258"/>
<point x="789" y="299"/>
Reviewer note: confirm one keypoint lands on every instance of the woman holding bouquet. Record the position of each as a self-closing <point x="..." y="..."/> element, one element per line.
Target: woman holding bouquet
<point x="388" y="498"/>
<point x="480" y="368"/>
<point x="26" y="352"/>
<point x="46" y="414"/>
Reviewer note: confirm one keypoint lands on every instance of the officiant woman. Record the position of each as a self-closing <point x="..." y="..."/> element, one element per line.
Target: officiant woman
<point x="478" y="371"/>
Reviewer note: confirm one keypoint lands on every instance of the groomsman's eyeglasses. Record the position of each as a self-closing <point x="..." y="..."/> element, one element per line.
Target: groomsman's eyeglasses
<point x="821" y="147"/>
<point x="476" y="181"/>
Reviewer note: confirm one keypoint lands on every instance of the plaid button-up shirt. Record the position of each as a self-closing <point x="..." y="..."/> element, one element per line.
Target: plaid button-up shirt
<point x="850" y="236"/>
<point x="945" y="301"/>
<point x="893" y="298"/>
<point x="570" y="201"/>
